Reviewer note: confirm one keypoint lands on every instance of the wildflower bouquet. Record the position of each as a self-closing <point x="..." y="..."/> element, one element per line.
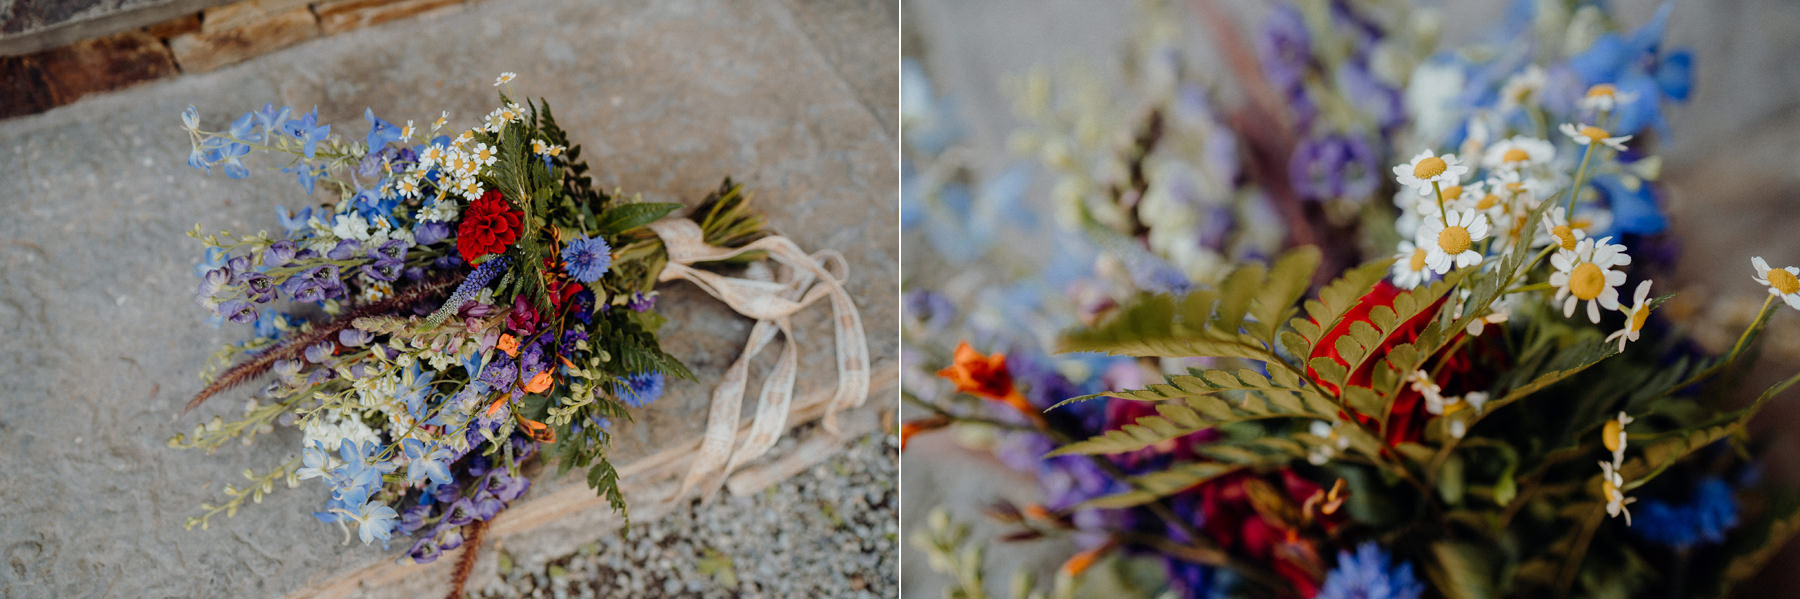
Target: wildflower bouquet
<point x="470" y="300"/>
<point x="1492" y="406"/>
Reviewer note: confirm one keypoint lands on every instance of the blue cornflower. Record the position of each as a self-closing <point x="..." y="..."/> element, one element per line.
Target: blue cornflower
<point x="428" y="463"/>
<point x="381" y="132"/>
<point x="1367" y="574"/>
<point x="308" y="130"/>
<point x="587" y="258"/>
<point x="640" y="389"/>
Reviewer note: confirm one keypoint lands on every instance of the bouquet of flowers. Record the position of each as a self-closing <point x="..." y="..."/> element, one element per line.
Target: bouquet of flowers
<point x="470" y="300"/>
<point x="1491" y="406"/>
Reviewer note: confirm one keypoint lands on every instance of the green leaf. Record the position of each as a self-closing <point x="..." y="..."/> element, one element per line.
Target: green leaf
<point x="1151" y="487"/>
<point x="1338" y="297"/>
<point x="1462" y="570"/>
<point x="1665" y="452"/>
<point x="625" y="217"/>
<point x="1288" y="281"/>
<point x="1172" y="420"/>
<point x="1567" y="363"/>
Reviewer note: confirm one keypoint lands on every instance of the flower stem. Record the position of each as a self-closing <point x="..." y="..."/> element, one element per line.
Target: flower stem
<point x="1443" y="216"/>
<point x="1580" y="173"/>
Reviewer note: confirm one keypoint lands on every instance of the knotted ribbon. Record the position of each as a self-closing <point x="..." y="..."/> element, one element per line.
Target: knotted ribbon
<point x="801" y="281"/>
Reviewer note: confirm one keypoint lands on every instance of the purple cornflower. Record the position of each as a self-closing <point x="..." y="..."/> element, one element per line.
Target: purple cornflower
<point x="587" y="258"/>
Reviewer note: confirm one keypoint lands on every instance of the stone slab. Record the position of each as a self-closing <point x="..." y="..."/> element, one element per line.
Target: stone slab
<point x="236" y="32"/>
<point x="101" y="341"/>
<point x="35" y="82"/>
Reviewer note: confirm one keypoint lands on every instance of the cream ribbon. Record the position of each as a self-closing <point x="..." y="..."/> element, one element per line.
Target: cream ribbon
<point x="802" y="281"/>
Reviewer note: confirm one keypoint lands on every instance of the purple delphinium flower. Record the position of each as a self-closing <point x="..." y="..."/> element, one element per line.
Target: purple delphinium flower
<point x="319" y="353"/>
<point x="344" y="250"/>
<point x="259" y="287"/>
<point x="587" y="258"/>
<point x="238" y="311"/>
<point x="430" y="232"/>
<point x="640" y="389"/>
<point x="386" y="270"/>
<point x="1285" y="47"/>
<point x="353" y="337"/>
<point x="1333" y="167"/>
<point x="930" y="308"/>
<point x="279" y="253"/>
<point x="642" y="302"/>
<point x="1368" y="574"/>
<point x="392" y="250"/>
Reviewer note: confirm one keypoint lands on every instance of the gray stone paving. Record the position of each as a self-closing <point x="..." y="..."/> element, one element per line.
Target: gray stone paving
<point x="100" y="341"/>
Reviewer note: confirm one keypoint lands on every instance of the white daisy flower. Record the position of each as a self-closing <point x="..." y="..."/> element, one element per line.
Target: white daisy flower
<point x="1782" y="282"/>
<point x="1589" y="135"/>
<point x="1612" y="487"/>
<point x="1409" y="266"/>
<point x="1523" y="88"/>
<point x="1452" y="240"/>
<point x="1428" y="168"/>
<point x="1421" y="382"/>
<point x="1634" y="317"/>
<point x="1518" y="152"/>
<point x="406" y="132"/>
<point x="505" y="78"/>
<point x="483" y="155"/>
<point x="463" y="139"/>
<point x="1604" y="98"/>
<point x="1561" y="232"/>
<point x="1585" y="274"/>
<point x="431" y="156"/>
<point x="1476" y="399"/>
<point x="1334" y="442"/>
<point x="439" y="123"/>
<point x="1500" y="313"/>
<point x="1613" y="436"/>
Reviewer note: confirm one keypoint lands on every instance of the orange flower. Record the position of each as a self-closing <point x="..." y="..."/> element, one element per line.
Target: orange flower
<point x="498" y="403"/>
<point x="538" y="430"/>
<point x="508" y="344"/>
<point x="1082" y="561"/>
<point x="538" y="383"/>
<point x="914" y="427"/>
<point x="985" y="377"/>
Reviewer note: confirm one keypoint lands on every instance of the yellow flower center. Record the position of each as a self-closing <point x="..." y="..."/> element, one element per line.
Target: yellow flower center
<point x="1604" y="89"/>
<point x="1455" y="240"/>
<point x="1564" y="236"/>
<point x="1515" y="186"/>
<point x="1515" y="155"/>
<point x="1608" y="490"/>
<point x="1417" y="263"/>
<point x="1454" y="407"/>
<point x="1783" y="281"/>
<point x="1594" y="134"/>
<point x="1609" y="435"/>
<point x="1487" y="202"/>
<point x="1581" y="222"/>
<point x="1431" y="166"/>
<point x="1586" y="281"/>
<point x="1452" y="192"/>
<point x="1638" y="317"/>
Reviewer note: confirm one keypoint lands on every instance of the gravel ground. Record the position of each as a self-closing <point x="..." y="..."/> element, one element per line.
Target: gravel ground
<point x="828" y="532"/>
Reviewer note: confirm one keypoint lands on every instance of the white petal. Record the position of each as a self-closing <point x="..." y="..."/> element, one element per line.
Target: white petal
<point x="1792" y="300"/>
<point x="1594" y="311"/>
<point x="1569" y="307"/>
<point x="1761" y="266"/>
<point x="1615" y="278"/>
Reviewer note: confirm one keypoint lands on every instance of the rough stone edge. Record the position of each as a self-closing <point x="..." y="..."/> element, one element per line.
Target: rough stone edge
<point x="171" y="24"/>
<point x="644" y="482"/>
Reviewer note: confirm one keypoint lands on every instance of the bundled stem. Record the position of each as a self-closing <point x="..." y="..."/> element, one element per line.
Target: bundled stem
<point x="465" y="563"/>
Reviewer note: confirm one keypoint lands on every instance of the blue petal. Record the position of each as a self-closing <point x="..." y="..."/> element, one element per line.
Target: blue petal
<point x="1633" y="211"/>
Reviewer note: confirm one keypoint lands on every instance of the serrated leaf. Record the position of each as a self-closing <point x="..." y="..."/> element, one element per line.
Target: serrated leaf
<point x="1287" y="282"/>
<point x="625" y="217"/>
<point x="1338" y="297"/>
<point x="1154" y="486"/>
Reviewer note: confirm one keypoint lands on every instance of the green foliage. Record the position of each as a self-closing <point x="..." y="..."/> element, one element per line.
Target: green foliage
<point x="1156" y="485"/>
<point x="625" y="217"/>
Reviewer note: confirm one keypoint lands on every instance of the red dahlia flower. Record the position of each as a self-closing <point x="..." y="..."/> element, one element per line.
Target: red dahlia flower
<point x="488" y="226"/>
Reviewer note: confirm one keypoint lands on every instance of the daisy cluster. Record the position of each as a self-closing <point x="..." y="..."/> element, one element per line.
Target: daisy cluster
<point x="440" y="322"/>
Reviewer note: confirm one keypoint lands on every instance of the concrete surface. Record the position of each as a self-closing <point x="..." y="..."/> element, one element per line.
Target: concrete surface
<point x="101" y="340"/>
<point x="1731" y="171"/>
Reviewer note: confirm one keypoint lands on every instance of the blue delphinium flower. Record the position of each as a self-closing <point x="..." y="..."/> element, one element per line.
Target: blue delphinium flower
<point x="1639" y="66"/>
<point x="640" y="389"/>
<point x="1367" y="574"/>
<point x="308" y="130"/>
<point x="427" y="463"/>
<point x="587" y="258"/>
<point x="374" y="520"/>
<point x="381" y="132"/>
<point x="306" y="173"/>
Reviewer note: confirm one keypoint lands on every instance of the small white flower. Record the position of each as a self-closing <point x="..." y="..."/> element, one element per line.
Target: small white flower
<point x="406" y="186"/>
<point x="1500" y="314"/>
<point x="1634" y="317"/>
<point x="439" y="123"/>
<point x="1612" y="487"/>
<point x="1476" y="399"/>
<point x="1604" y="98"/>
<point x="463" y="139"/>
<point x="1409" y="266"/>
<point x="1561" y="233"/>
<point x="1782" y="282"/>
<point x="1452" y="240"/>
<point x="1428" y="168"/>
<point x="1518" y="152"/>
<point x="1585" y="274"/>
<point x="1589" y="135"/>
<point x="505" y="78"/>
<point x="1522" y="89"/>
<point x="431" y="156"/>
<point x="1421" y="382"/>
<point x="483" y="155"/>
<point x="1334" y="442"/>
<point x="406" y="132"/>
<point x="1614" y="438"/>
